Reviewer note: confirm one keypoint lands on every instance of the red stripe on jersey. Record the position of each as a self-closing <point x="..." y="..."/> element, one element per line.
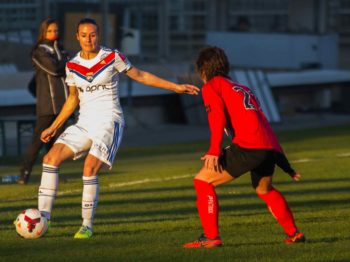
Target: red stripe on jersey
<point x="76" y="67"/>
<point x="92" y="70"/>
<point x="122" y="57"/>
<point x="103" y="63"/>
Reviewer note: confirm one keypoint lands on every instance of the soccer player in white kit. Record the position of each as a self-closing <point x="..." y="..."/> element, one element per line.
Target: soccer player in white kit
<point x="92" y="77"/>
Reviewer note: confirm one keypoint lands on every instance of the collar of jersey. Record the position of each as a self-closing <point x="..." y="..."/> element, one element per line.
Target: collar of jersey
<point x="89" y="74"/>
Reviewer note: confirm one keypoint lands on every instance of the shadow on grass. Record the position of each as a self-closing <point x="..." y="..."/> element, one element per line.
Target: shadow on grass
<point x="170" y="189"/>
<point x="165" y="212"/>
<point x="187" y="192"/>
<point x="329" y="239"/>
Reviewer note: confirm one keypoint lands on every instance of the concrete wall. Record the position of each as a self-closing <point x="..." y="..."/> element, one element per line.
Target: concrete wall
<point x="16" y="53"/>
<point x="277" y="51"/>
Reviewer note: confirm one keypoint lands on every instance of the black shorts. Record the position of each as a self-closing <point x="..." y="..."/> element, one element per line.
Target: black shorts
<point x="237" y="161"/>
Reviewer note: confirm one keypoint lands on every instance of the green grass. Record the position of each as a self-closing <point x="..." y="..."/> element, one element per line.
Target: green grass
<point x="151" y="219"/>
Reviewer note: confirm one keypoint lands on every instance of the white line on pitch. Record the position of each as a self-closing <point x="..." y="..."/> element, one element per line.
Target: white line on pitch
<point x="343" y="155"/>
<point x="131" y="183"/>
<point x="305" y="160"/>
<point x="150" y="180"/>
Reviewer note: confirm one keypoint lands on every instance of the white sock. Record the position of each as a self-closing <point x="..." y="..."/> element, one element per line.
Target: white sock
<point x="47" y="190"/>
<point x="90" y="199"/>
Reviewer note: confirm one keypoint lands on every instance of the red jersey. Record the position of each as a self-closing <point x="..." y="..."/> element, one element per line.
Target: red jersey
<point x="234" y="106"/>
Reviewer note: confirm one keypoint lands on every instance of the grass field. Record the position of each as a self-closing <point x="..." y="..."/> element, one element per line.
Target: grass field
<point x="147" y="207"/>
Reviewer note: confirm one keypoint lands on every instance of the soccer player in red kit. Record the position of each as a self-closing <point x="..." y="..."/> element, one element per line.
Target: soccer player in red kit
<point x="233" y="107"/>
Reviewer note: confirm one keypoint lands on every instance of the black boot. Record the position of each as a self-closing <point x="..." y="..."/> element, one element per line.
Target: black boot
<point x="24" y="177"/>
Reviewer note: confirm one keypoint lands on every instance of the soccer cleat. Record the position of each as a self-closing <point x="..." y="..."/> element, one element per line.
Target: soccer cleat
<point x="47" y="229"/>
<point x="22" y="180"/>
<point x="297" y="237"/>
<point x="48" y="223"/>
<point x="204" y="242"/>
<point x="83" y="233"/>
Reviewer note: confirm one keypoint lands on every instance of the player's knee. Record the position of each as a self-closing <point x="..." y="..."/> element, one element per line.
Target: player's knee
<point x="196" y="180"/>
<point x="261" y="190"/>
<point x="90" y="170"/>
<point x="201" y="177"/>
<point x="51" y="159"/>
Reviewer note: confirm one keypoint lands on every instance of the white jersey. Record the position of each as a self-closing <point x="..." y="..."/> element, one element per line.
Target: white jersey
<point x="97" y="83"/>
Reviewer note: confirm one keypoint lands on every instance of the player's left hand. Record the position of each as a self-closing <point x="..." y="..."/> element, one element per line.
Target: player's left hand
<point x="296" y="177"/>
<point x="211" y="163"/>
<point x="187" y="89"/>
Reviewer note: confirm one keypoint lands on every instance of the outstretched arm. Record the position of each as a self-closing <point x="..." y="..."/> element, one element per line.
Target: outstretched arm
<point x="68" y="108"/>
<point x="149" y="79"/>
<point x="283" y="163"/>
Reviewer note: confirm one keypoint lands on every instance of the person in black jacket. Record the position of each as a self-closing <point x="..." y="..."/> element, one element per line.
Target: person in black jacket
<point x="49" y="60"/>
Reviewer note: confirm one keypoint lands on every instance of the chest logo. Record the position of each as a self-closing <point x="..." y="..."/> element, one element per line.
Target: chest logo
<point x="89" y="76"/>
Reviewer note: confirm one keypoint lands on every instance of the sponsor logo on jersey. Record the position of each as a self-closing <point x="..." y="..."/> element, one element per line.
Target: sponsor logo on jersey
<point x="94" y="88"/>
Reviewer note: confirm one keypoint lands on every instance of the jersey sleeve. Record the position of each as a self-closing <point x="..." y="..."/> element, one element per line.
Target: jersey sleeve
<point x="214" y="106"/>
<point x="47" y="62"/>
<point x="282" y="161"/>
<point x="69" y="77"/>
<point x="121" y="63"/>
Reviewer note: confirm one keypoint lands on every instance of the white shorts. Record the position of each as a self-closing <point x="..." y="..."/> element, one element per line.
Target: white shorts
<point x="101" y="140"/>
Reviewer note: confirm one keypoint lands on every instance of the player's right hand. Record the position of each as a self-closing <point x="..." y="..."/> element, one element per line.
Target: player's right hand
<point x="211" y="163"/>
<point x="47" y="134"/>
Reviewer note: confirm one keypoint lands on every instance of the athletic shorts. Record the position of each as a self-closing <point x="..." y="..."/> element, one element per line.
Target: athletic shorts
<point x="237" y="161"/>
<point x="100" y="140"/>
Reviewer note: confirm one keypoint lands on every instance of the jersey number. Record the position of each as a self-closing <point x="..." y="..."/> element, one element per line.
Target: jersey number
<point x="248" y="95"/>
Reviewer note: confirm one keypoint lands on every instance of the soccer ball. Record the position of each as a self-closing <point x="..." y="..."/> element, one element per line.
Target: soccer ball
<point x="30" y="224"/>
